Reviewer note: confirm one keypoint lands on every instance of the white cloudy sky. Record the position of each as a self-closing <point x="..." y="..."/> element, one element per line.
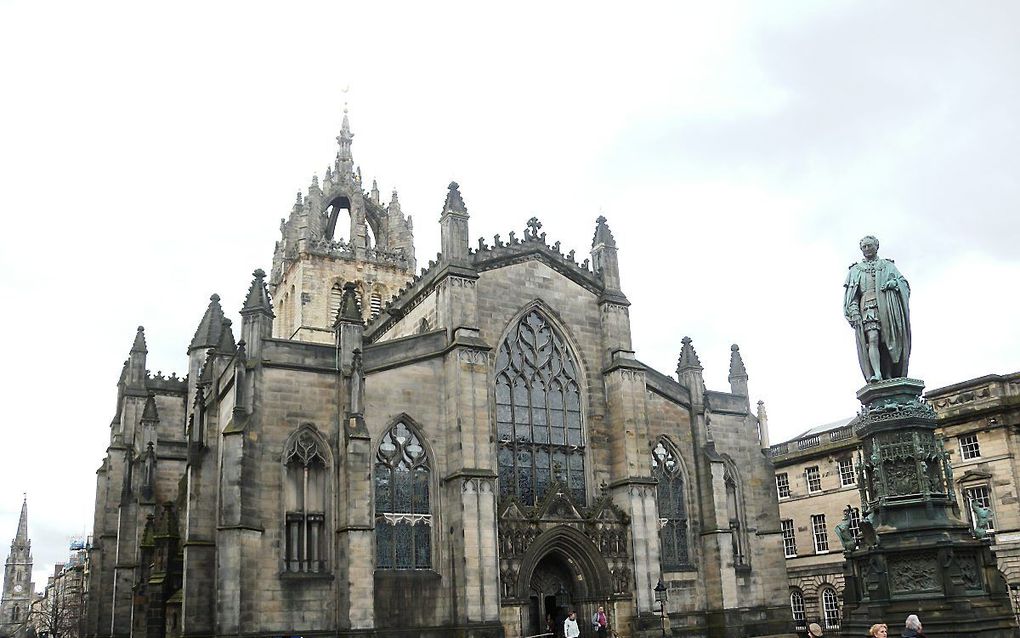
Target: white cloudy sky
<point x="148" y="152"/>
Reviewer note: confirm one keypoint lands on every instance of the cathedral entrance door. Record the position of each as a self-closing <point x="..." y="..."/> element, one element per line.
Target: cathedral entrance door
<point x="551" y="594"/>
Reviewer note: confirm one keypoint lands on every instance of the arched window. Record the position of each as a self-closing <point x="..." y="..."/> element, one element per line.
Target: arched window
<point x="305" y="461"/>
<point x="403" y="519"/>
<point x="797" y="606"/>
<point x="672" y="505"/>
<point x="538" y="414"/>
<point x="336" y="294"/>
<point x="830" y="608"/>
<point x="16" y="613"/>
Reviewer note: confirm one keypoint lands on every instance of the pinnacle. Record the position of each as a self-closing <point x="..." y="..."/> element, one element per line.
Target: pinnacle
<point x="454" y="200"/>
<point x="602" y="234"/>
<point x="22" y="536"/>
<point x="225" y="344"/>
<point x="348" y="311"/>
<point x="208" y="332"/>
<point x="139" y="343"/>
<point x="737" y="368"/>
<point x="258" y="296"/>
<point x="688" y="357"/>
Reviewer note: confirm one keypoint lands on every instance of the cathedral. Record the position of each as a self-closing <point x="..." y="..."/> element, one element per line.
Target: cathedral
<point x="19" y="590"/>
<point x="473" y="449"/>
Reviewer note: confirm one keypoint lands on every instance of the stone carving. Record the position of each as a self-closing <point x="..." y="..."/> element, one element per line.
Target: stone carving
<point x="914" y="572"/>
<point x="876" y="304"/>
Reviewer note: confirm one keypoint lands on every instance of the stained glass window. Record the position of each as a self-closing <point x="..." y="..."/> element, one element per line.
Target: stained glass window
<point x="305" y="496"/>
<point x="672" y="505"/>
<point x="403" y="519"/>
<point x="538" y="414"/>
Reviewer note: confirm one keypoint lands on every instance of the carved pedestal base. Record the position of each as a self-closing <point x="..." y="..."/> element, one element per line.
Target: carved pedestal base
<point x="916" y="555"/>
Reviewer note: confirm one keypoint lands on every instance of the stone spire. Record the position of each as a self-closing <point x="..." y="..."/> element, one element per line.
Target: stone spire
<point x="738" y="374"/>
<point x="139" y="343"/>
<point x="344" y="159"/>
<point x="208" y="333"/>
<point x="226" y="344"/>
<point x="136" y="360"/>
<point x="688" y="357"/>
<point x="453" y="225"/>
<point x="375" y="192"/>
<point x="21" y="539"/>
<point x="257" y="315"/>
<point x="604" y="259"/>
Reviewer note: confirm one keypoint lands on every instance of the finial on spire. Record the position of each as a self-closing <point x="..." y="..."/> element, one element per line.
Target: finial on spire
<point x="737" y="368"/>
<point x="208" y="332"/>
<point x="688" y="357"/>
<point x="454" y="200"/>
<point x="602" y="234"/>
<point x="258" y="295"/>
<point x="345" y="161"/>
<point x="139" y="343"/>
<point x="349" y="312"/>
<point x="533" y="226"/>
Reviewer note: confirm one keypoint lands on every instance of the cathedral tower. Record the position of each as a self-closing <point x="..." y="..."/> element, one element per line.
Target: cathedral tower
<point x="18" y="586"/>
<point x="312" y="262"/>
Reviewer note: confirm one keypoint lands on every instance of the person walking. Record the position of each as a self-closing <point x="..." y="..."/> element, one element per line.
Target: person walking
<point x="879" y="630"/>
<point x="600" y="623"/>
<point x="912" y="627"/>
<point x="570" y="629"/>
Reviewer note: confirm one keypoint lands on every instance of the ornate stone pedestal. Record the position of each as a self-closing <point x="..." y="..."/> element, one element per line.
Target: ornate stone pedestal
<point x="916" y="555"/>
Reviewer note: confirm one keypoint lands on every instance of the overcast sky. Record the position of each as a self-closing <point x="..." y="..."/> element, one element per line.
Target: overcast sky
<point x="739" y="151"/>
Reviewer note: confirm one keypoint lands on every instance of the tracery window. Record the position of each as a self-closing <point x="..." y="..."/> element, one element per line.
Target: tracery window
<point x="403" y="518"/>
<point x="672" y="505"/>
<point x="305" y="496"/>
<point x="538" y="414"/>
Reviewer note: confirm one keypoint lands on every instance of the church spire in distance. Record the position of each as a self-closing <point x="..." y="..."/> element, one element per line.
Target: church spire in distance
<point x="21" y="540"/>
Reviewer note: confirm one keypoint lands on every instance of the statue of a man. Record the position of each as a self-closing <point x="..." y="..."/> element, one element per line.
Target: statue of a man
<point x="876" y="304"/>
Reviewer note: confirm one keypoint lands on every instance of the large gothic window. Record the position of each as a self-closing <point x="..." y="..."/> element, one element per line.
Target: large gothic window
<point x="672" y="504"/>
<point x="305" y="494"/>
<point x="403" y="519"/>
<point x="538" y="414"/>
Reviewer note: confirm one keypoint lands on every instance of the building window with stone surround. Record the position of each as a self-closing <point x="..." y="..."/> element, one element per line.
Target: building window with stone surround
<point x="814" y="479"/>
<point x="969" y="447"/>
<point x="847" y="475"/>
<point x="671" y="499"/>
<point x="783" y="485"/>
<point x="855" y="522"/>
<point x="305" y="459"/>
<point x="403" y="517"/>
<point x="820" y="533"/>
<point x="830" y="608"/>
<point x="538" y="414"/>
<point x="789" y="539"/>
<point x="797" y="607"/>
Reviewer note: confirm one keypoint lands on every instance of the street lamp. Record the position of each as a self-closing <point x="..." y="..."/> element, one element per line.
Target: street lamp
<point x="660" y="597"/>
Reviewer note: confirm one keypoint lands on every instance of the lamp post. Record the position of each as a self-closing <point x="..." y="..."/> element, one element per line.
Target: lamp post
<point x="660" y="597"/>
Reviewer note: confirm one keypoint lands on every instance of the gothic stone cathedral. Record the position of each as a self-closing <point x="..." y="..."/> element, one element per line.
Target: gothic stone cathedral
<point x="476" y="456"/>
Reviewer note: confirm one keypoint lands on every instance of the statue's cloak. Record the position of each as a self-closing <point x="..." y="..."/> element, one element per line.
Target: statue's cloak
<point x="893" y="313"/>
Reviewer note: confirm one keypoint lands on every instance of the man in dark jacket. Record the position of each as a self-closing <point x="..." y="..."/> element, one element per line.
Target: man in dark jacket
<point x="912" y="627"/>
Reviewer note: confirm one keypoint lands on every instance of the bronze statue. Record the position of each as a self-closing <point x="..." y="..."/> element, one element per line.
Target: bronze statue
<point x="876" y="304"/>
<point x="981" y="517"/>
<point x="845" y="533"/>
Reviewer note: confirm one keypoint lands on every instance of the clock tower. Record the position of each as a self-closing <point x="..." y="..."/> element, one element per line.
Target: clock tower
<point x="18" y="586"/>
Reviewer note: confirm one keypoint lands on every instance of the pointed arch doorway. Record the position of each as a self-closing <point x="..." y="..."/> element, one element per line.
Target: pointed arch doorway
<point x="551" y="594"/>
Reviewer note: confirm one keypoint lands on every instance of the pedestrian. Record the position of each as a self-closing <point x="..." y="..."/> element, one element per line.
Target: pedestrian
<point x="814" y="630"/>
<point x="912" y="627"/>
<point x="879" y="630"/>
<point x="600" y="623"/>
<point x="570" y="629"/>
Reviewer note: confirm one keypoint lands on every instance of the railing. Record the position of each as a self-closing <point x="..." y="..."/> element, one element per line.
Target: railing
<point x="805" y="443"/>
<point x="841" y="434"/>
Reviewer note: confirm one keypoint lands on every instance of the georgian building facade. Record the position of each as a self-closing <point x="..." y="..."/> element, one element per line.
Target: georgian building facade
<point x="468" y="451"/>
<point x="816" y="481"/>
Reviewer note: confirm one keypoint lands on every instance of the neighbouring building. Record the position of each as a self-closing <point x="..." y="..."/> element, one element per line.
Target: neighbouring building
<point x="19" y="590"/>
<point x="60" y="611"/>
<point x="817" y="480"/>
<point x="470" y="451"/>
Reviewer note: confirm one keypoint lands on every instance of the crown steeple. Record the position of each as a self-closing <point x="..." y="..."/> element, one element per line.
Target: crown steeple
<point x="344" y="159"/>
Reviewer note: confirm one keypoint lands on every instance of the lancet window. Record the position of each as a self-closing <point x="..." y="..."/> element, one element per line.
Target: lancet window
<point x="403" y="518"/>
<point x="305" y="460"/>
<point x="672" y="505"/>
<point x="538" y="414"/>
